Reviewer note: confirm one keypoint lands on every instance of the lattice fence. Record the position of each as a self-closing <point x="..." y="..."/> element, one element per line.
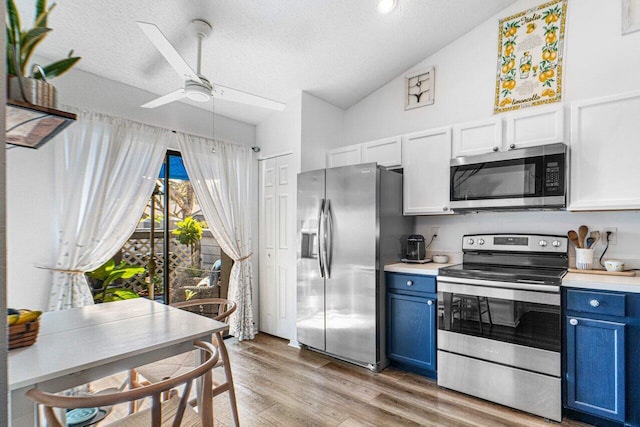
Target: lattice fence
<point x="137" y="250"/>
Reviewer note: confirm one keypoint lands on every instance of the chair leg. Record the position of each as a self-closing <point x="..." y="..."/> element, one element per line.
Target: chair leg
<point x="224" y="355"/>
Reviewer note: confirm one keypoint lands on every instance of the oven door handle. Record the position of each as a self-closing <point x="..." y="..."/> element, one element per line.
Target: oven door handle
<point x="518" y="292"/>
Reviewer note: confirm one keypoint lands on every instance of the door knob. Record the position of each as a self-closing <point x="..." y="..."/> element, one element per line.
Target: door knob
<point x="594" y="303"/>
<point x="495" y="148"/>
<point x="512" y="146"/>
<point x="409" y="282"/>
<point x="573" y="322"/>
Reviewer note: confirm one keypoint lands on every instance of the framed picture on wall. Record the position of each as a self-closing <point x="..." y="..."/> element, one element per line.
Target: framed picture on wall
<point x="530" y="53"/>
<point x="418" y="89"/>
<point x="630" y="16"/>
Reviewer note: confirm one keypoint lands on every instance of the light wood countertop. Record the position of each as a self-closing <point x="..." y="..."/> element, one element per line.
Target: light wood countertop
<point x="602" y="282"/>
<point x="428" y="269"/>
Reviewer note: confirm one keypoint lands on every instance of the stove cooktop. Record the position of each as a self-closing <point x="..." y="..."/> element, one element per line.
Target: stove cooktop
<point x="547" y="276"/>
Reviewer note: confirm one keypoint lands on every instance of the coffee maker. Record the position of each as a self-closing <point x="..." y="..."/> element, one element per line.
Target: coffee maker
<point x="416" y="250"/>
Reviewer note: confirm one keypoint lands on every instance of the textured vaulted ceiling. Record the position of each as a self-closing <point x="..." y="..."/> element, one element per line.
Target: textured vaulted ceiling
<point x="337" y="50"/>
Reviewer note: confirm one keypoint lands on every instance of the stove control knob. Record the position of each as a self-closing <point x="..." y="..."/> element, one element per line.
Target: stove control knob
<point x="470" y="241"/>
<point x="542" y="243"/>
<point x="556" y="243"/>
<point x="481" y="241"/>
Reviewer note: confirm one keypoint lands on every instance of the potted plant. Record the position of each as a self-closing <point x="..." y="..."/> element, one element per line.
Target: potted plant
<point x="103" y="276"/>
<point x="189" y="233"/>
<point x="31" y="85"/>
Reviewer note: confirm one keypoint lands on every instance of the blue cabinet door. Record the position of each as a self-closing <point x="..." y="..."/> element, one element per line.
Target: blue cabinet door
<point x="596" y="367"/>
<point x="411" y="336"/>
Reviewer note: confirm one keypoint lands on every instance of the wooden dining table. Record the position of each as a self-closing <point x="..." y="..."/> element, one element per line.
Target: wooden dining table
<point x="80" y="345"/>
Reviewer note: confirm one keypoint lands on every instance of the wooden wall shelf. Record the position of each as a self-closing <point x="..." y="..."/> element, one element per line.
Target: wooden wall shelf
<point x="29" y="125"/>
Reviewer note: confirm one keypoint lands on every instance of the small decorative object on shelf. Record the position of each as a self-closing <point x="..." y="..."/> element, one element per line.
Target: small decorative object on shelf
<point x="419" y="89"/>
<point x="33" y="87"/>
<point x="32" y="117"/>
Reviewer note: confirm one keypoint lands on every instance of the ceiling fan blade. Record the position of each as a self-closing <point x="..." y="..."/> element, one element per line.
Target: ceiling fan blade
<point x="168" y="51"/>
<point x="165" y="99"/>
<point x="236" y="95"/>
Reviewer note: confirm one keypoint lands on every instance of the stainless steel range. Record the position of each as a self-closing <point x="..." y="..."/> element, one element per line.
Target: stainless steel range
<point x="499" y="325"/>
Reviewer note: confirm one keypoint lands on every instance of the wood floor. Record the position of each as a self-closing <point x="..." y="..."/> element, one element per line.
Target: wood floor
<point x="278" y="385"/>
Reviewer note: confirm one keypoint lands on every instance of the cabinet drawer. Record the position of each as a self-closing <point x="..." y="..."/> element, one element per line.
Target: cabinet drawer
<point x="596" y="302"/>
<point x="411" y="282"/>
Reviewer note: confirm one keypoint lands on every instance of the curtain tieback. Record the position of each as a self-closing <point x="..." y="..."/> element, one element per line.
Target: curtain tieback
<point x="62" y="270"/>
<point x="244" y="258"/>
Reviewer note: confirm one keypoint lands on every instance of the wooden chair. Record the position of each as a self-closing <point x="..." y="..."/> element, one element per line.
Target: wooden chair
<point x="175" y="411"/>
<point x="218" y="308"/>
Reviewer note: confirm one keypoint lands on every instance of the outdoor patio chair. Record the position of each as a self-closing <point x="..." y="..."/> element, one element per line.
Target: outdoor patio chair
<point x="218" y="308"/>
<point x="175" y="411"/>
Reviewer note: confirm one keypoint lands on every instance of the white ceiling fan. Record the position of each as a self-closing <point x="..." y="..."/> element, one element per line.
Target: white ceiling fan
<point x="196" y="86"/>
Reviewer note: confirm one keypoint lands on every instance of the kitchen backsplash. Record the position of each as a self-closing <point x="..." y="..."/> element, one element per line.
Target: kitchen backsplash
<point x="451" y="228"/>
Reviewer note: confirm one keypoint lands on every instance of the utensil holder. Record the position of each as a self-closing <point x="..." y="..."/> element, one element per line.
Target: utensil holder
<point x="584" y="259"/>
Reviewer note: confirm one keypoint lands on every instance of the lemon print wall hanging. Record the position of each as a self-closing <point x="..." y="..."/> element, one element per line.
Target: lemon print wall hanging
<point x="530" y="46"/>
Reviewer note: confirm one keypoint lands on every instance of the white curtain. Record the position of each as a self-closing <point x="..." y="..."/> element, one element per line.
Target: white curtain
<point x="221" y="177"/>
<point x="105" y="172"/>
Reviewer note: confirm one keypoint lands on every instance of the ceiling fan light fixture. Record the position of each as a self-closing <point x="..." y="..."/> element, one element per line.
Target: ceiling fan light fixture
<point x="386" y="6"/>
<point x="197" y="93"/>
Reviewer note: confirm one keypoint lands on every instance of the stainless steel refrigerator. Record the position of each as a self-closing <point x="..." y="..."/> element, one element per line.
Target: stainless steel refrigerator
<point x="350" y="225"/>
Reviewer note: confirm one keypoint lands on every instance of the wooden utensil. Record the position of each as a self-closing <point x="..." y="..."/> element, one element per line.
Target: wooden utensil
<point x="596" y="236"/>
<point x="582" y="235"/>
<point x="573" y="236"/>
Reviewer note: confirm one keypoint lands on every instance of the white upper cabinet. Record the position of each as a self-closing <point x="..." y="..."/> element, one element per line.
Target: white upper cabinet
<point x="478" y="137"/>
<point x="344" y="156"/>
<point x="605" y="152"/>
<point x="386" y="152"/>
<point x="426" y="158"/>
<point x="535" y="126"/>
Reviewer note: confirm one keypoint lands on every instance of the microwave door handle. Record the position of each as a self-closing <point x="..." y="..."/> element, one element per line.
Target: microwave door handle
<point x="328" y="247"/>
<point x="320" y="239"/>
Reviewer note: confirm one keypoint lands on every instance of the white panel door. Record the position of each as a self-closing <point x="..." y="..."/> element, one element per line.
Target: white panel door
<point x="605" y="152"/>
<point x="426" y="158"/>
<point x="344" y="156"/>
<point x="267" y="294"/>
<point x="277" y="247"/>
<point x="478" y="137"/>
<point x="385" y="152"/>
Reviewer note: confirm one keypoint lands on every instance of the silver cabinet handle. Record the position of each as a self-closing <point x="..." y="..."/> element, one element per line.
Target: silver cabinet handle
<point x="430" y="302"/>
<point x="409" y="282"/>
<point x="594" y="303"/>
<point x="495" y="148"/>
<point x="512" y="146"/>
<point x="573" y="322"/>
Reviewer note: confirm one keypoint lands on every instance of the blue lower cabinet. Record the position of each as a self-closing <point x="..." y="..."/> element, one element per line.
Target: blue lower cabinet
<point x="411" y="331"/>
<point x="595" y="376"/>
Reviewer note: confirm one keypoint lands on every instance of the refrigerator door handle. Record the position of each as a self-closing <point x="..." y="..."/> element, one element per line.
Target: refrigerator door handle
<point x="320" y="238"/>
<point x="328" y="246"/>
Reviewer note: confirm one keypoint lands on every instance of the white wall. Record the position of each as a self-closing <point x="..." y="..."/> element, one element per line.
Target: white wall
<point x="280" y="133"/>
<point x="31" y="235"/>
<point x="598" y="61"/>
<point x="322" y="127"/>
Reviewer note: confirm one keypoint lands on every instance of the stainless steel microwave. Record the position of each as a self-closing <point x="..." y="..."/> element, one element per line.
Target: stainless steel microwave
<point x="534" y="177"/>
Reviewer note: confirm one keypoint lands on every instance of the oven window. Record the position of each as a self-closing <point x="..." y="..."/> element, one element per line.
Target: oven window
<point x="496" y="180"/>
<point x="517" y="322"/>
